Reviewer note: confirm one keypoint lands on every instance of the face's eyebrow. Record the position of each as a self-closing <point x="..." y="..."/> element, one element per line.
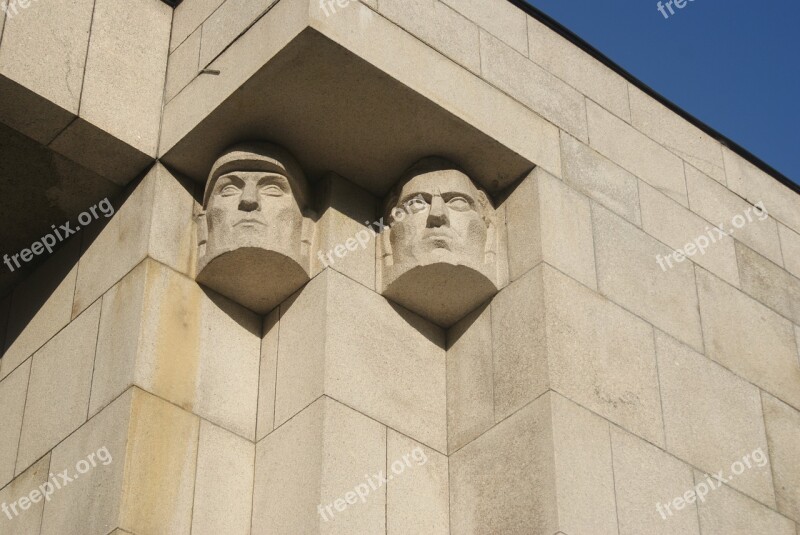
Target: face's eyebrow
<point x="274" y="178"/>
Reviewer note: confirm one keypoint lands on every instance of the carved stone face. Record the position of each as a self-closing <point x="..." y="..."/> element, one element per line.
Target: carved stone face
<point x="254" y="209"/>
<point x="438" y="220"/>
<point x="256" y="229"/>
<point x="439" y="250"/>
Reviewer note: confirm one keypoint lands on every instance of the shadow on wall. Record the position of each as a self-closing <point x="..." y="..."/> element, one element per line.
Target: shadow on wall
<point x="45" y="285"/>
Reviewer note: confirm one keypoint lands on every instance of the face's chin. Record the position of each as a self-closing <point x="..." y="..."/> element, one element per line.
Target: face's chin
<point x="436" y="250"/>
<point x="228" y="232"/>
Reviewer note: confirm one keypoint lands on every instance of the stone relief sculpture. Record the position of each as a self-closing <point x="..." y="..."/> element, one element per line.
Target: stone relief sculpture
<point x="256" y="227"/>
<point x="441" y="252"/>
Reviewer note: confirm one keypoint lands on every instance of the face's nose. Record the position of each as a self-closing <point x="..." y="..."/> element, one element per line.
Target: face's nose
<point x="250" y="199"/>
<point x="437" y="216"/>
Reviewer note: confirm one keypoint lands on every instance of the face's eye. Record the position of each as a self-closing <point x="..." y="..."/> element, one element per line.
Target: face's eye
<point x="230" y="190"/>
<point x="271" y="190"/>
<point x="417" y="204"/>
<point x="459" y="203"/>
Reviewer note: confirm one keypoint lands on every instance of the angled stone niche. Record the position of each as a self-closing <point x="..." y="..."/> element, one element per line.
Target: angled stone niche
<point x="256" y="227"/>
<point x="442" y="253"/>
<point x="335" y="112"/>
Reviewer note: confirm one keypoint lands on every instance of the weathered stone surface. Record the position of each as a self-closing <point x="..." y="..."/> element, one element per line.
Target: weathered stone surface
<point x="783" y="436"/>
<point x="5" y="304"/>
<point x="749" y="339"/>
<point x="548" y="221"/>
<point x="488" y="495"/>
<point x="426" y="18"/>
<point x="550" y="331"/>
<point x="267" y="375"/>
<point x="345" y="230"/>
<point x="757" y="186"/>
<point x="727" y="512"/>
<point x="417" y="497"/>
<point x="502" y="19"/>
<point x="93" y="148"/>
<point x="628" y="272"/>
<point x="518" y="344"/>
<point x="302" y="351"/>
<point x="470" y="378"/>
<point x="523" y="226"/>
<point x="578" y="69"/>
<point x="601" y="357"/>
<point x="223" y="489"/>
<point x="118" y="338"/>
<point x="601" y="179"/>
<point x="557" y="442"/>
<point x="533" y="86"/>
<point x="183" y="65"/>
<point x="40" y="307"/>
<point x="225" y="24"/>
<point x="59" y="388"/>
<point x="187" y="17"/>
<point x="199" y="351"/>
<point x="328" y="345"/>
<point x="155" y="221"/>
<point x="148" y="485"/>
<point x="717" y="204"/>
<point x="44" y="50"/>
<point x="712" y="418"/>
<point x="646" y="477"/>
<point x="13" y="389"/>
<point x="31" y="114"/>
<point x="93" y="505"/>
<point x="790" y="246"/>
<point x="621" y="143"/>
<point x="127" y="58"/>
<point x="797" y="336"/>
<point x="194" y="349"/>
<point x="582" y="445"/>
<point x="309" y="463"/>
<point x="158" y="491"/>
<point x="678" y="135"/>
<point x="28" y="520"/>
<point x="678" y="227"/>
<point x="768" y="283"/>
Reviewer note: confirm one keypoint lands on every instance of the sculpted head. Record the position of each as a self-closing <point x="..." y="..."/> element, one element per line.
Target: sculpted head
<point x="256" y="224"/>
<point x="441" y="237"/>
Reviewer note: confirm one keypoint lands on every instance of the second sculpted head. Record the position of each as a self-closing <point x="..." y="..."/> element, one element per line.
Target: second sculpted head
<point x="442" y="237"/>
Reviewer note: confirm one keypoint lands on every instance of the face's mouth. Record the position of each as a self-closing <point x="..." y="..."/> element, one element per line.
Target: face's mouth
<point x="249" y="222"/>
<point x="439" y="235"/>
<point x="439" y="240"/>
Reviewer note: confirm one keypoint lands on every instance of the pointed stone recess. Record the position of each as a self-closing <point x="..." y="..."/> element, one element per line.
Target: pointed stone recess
<point x="256" y="229"/>
<point x="440" y="248"/>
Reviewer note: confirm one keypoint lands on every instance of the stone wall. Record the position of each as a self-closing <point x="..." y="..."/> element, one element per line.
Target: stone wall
<point x="604" y="382"/>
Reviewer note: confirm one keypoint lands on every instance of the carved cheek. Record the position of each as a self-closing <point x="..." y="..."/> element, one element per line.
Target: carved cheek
<point x="217" y="216"/>
<point x="474" y="234"/>
<point x="406" y="233"/>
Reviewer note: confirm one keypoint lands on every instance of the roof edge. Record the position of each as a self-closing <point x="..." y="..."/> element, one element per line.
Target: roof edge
<point x="592" y="51"/>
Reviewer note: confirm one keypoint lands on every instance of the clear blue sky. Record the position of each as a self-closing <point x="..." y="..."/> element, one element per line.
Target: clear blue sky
<point x="733" y="64"/>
